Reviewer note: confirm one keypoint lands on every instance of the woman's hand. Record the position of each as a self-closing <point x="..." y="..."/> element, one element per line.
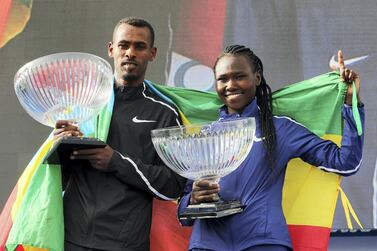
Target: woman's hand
<point x="348" y="76"/>
<point x="204" y="191"/>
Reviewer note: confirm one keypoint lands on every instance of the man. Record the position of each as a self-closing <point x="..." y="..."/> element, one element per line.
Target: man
<point x="108" y="199"/>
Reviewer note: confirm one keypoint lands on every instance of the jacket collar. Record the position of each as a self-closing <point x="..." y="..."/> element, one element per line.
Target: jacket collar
<point x="129" y="93"/>
<point x="251" y="110"/>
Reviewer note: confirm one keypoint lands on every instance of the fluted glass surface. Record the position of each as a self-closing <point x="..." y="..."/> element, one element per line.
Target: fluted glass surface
<point x="210" y="150"/>
<point x="68" y="85"/>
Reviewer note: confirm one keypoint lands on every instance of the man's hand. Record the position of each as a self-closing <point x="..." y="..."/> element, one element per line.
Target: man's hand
<point x="348" y="76"/>
<point x="66" y="128"/>
<point x="204" y="191"/>
<point x="99" y="158"/>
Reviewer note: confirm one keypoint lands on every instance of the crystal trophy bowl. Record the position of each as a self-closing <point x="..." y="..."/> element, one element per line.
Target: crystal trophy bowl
<point x="208" y="151"/>
<point x="65" y="86"/>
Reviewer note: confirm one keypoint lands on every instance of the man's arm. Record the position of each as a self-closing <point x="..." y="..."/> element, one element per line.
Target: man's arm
<point x="158" y="180"/>
<point x="155" y="178"/>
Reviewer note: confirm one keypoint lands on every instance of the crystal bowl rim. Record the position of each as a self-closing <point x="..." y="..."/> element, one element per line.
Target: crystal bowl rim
<point x="179" y="128"/>
<point x="59" y="55"/>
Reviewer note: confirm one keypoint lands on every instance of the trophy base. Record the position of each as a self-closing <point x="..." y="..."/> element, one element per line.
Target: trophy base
<point x="212" y="210"/>
<point x="63" y="148"/>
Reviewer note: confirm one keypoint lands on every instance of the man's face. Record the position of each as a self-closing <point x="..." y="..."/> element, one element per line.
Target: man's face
<point x="131" y="50"/>
<point x="236" y="82"/>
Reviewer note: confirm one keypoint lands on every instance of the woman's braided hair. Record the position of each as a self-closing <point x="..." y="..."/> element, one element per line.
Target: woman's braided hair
<point x="263" y="94"/>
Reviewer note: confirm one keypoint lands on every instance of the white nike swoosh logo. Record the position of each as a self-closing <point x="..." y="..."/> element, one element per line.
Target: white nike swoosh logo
<point x="136" y="120"/>
<point x="334" y="65"/>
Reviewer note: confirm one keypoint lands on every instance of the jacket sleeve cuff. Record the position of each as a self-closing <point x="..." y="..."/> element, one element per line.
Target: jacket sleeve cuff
<point x="360" y="105"/>
<point x="114" y="162"/>
<point x="183" y="203"/>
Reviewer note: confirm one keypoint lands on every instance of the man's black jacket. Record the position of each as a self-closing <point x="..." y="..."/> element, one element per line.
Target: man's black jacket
<point x="112" y="210"/>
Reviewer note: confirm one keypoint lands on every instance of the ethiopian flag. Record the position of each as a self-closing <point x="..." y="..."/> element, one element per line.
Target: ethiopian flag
<point x="33" y="220"/>
<point x="14" y="15"/>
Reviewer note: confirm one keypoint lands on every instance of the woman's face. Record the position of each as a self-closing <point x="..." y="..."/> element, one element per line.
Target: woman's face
<point x="236" y="82"/>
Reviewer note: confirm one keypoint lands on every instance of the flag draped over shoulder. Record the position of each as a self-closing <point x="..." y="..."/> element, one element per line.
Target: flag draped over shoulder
<point x="33" y="220"/>
<point x="309" y="194"/>
<point x="14" y="15"/>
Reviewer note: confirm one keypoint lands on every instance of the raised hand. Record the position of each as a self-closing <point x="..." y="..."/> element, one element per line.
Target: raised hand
<point x="348" y="76"/>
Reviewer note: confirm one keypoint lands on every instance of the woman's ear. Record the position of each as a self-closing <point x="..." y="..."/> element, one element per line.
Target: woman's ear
<point x="258" y="78"/>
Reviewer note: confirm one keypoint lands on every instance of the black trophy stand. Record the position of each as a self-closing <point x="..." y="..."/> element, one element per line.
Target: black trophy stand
<point x="62" y="150"/>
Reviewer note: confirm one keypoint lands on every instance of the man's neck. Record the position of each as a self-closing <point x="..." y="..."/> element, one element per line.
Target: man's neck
<point x="124" y="83"/>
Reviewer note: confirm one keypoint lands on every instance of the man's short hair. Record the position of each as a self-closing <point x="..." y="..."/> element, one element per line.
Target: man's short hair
<point x="137" y="22"/>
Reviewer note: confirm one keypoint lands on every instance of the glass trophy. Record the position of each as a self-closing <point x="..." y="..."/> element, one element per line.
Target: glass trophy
<point x="208" y="151"/>
<point x="65" y="86"/>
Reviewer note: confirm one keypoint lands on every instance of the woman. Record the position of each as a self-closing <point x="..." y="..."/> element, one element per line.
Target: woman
<point x="258" y="182"/>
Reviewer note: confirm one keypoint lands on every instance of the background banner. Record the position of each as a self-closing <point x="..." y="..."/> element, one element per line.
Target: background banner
<point x="294" y="39"/>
